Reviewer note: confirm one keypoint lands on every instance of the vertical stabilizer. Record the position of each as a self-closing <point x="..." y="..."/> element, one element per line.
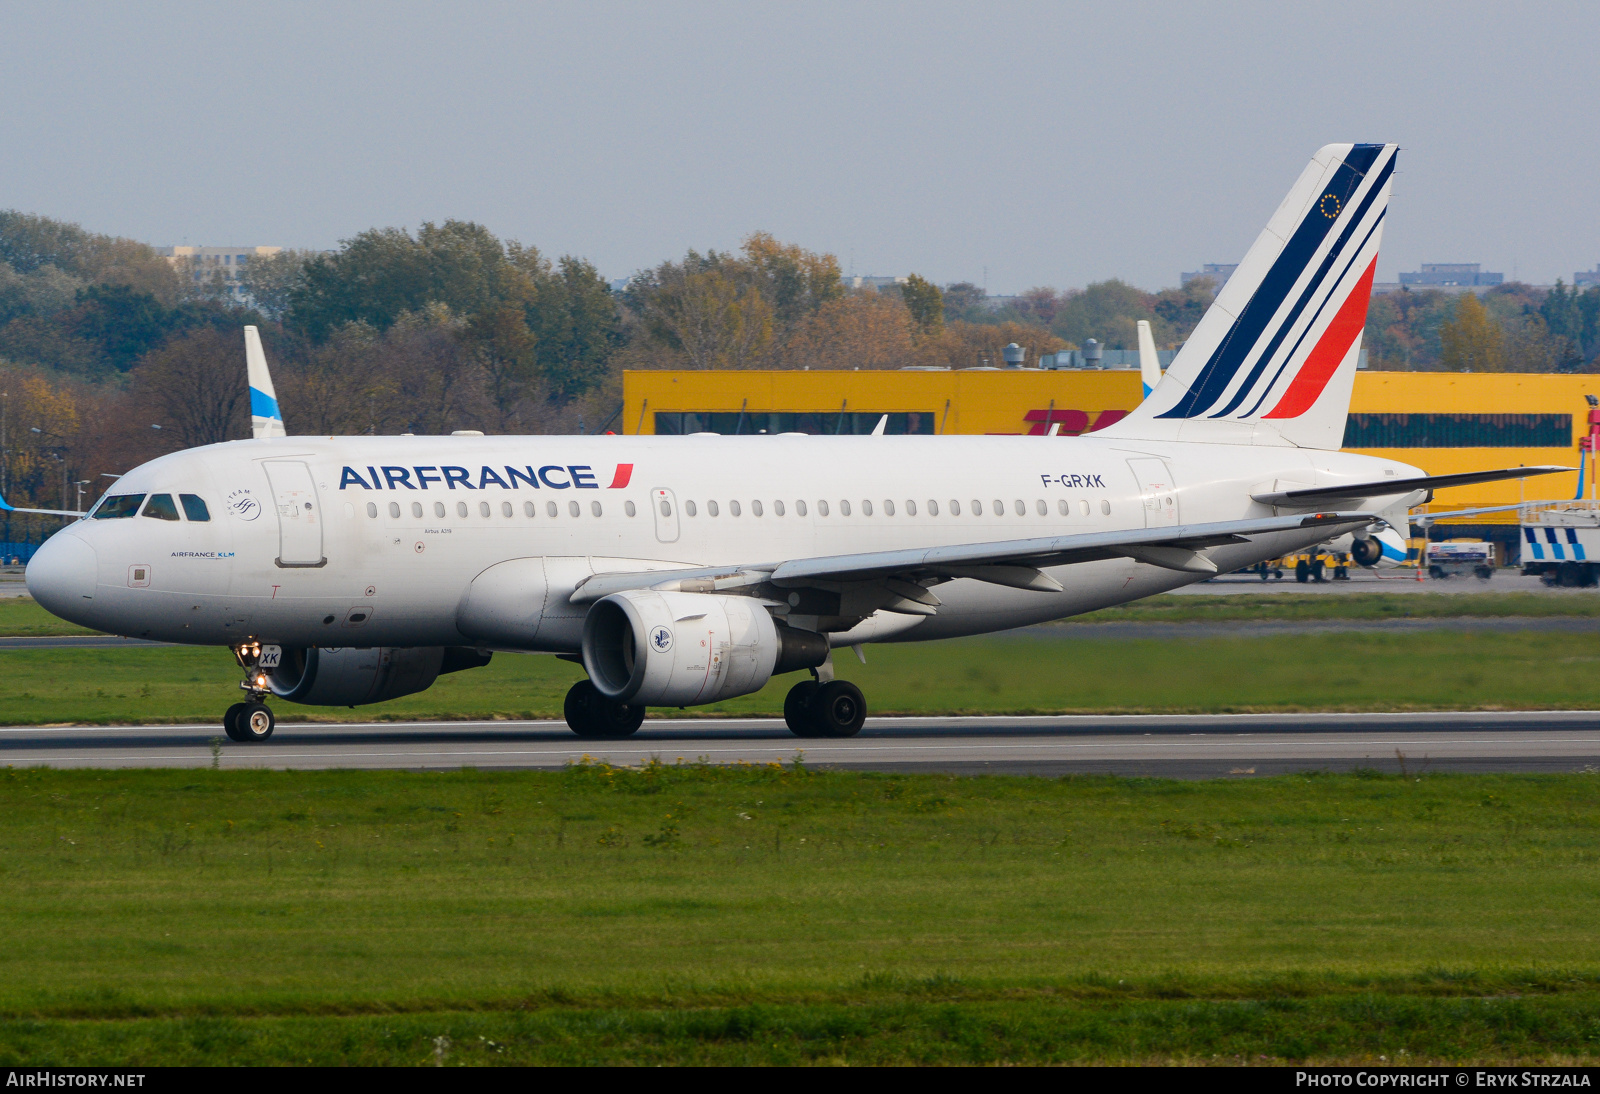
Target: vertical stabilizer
<point x="1149" y="360"/>
<point x="265" y="418"/>
<point x="1273" y="359"/>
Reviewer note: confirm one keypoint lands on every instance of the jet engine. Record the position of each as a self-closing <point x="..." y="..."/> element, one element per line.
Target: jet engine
<point x="1383" y="548"/>
<point x="353" y="677"/>
<point x="648" y="648"/>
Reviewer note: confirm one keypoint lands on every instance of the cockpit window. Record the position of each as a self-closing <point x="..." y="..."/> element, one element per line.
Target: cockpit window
<point x="194" y="507"/>
<point x="117" y="506"/>
<point x="160" y="506"/>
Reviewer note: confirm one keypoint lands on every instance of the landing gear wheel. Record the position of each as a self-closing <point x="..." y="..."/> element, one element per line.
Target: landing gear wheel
<point x="797" y="709"/>
<point x="255" y="722"/>
<point x="839" y="709"/>
<point x="230" y="722"/>
<point x="1302" y="571"/>
<point x="592" y="716"/>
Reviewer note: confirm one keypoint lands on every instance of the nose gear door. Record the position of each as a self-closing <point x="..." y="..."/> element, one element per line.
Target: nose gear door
<point x="299" y="513"/>
<point x="1157" y="492"/>
<point x="665" y="506"/>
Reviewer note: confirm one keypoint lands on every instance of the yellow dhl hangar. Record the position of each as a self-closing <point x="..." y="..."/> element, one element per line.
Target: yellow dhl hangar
<point x="1444" y="422"/>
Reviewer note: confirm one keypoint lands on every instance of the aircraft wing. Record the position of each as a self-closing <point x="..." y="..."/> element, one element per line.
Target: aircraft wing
<point x="1317" y="496"/>
<point x="1015" y="563"/>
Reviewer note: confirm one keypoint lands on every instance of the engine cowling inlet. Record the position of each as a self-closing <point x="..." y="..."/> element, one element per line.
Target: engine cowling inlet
<point x="652" y="648"/>
<point x="352" y="677"/>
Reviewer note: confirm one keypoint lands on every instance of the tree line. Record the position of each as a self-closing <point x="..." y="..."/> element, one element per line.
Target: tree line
<point x="109" y="355"/>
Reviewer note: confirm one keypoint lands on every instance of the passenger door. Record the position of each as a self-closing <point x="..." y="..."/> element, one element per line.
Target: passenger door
<point x="1157" y="492"/>
<point x="664" y="504"/>
<point x="299" y="513"/>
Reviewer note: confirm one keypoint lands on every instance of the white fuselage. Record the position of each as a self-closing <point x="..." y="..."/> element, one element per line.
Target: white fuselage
<point x="304" y="548"/>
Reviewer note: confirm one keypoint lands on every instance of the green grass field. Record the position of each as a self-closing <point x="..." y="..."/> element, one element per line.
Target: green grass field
<point x="22" y="616"/>
<point x="698" y="914"/>
<point x="1037" y="673"/>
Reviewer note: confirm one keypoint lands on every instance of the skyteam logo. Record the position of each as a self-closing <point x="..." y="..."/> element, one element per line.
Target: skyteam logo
<point x="551" y="476"/>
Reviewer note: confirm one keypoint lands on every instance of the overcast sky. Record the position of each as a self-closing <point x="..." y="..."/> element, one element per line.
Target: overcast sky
<point x="1054" y="144"/>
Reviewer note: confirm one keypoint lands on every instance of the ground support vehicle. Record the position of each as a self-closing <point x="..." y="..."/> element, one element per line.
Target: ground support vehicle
<point x="1460" y="557"/>
<point x="1561" y="542"/>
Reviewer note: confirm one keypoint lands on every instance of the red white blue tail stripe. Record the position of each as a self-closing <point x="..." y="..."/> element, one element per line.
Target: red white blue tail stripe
<point x="1277" y="350"/>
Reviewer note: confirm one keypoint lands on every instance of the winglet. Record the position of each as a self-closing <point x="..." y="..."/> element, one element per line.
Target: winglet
<point x="265" y="418"/>
<point x="4" y="507"/>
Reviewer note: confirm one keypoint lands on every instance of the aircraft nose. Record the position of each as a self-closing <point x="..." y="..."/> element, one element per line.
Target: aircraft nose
<point x="61" y="575"/>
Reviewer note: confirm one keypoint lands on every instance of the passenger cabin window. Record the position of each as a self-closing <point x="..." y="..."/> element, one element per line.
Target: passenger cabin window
<point x="160" y="506"/>
<point x="194" y="507"/>
<point x="799" y="507"/>
<point x="844" y="508"/>
<point x="777" y="507"/>
<point x="529" y="509"/>
<point x="372" y="509"/>
<point x="688" y="507"/>
<point x="118" y="506"/>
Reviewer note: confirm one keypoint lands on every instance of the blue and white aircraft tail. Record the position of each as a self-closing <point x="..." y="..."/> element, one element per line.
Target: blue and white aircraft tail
<point x="1149" y="359"/>
<point x="266" y="420"/>
<point x="1274" y="358"/>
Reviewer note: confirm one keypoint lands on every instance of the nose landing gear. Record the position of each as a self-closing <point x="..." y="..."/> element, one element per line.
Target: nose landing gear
<point x="251" y="720"/>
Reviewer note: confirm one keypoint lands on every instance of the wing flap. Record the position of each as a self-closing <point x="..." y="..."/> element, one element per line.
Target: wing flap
<point x="1014" y="562"/>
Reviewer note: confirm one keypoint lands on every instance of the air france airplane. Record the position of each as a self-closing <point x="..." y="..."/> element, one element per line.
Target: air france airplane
<point x="687" y="570"/>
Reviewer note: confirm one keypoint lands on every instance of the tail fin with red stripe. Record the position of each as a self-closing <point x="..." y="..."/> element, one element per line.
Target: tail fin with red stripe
<point x="1273" y="359"/>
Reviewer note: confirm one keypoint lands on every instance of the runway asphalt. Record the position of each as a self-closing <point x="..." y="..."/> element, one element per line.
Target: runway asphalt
<point x="1174" y="746"/>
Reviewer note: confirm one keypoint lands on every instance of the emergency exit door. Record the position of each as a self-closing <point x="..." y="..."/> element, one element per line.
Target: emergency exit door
<point x="299" y="513"/>
<point x="1157" y="492"/>
<point x="665" y="507"/>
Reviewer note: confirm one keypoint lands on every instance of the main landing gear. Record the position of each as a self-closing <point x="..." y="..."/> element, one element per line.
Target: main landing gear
<point x="251" y="720"/>
<point x="592" y="716"/>
<point x="825" y="708"/>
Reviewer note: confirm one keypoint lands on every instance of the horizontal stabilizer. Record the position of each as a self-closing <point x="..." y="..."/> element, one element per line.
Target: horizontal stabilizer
<point x="1318" y="496"/>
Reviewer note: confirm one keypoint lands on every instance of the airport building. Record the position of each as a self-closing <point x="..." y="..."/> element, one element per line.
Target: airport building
<point x="1442" y="422"/>
<point x="215" y="264"/>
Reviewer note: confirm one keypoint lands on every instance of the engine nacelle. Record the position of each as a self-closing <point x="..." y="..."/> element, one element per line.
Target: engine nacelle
<point x="648" y="648"/>
<point x="1384" y="548"/>
<point x="352" y="677"/>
